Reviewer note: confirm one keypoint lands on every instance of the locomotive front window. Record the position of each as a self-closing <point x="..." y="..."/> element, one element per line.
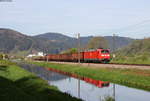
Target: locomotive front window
<point x="104" y="51"/>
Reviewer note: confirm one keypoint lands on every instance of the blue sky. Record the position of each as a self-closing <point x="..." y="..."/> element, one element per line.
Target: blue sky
<point x="88" y="17"/>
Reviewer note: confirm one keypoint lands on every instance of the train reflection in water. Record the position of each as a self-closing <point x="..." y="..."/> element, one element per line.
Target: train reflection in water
<point x="88" y="91"/>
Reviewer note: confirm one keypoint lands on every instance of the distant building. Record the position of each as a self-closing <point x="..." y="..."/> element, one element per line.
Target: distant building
<point x="35" y="54"/>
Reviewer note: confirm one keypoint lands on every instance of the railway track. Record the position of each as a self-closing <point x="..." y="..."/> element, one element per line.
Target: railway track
<point x="130" y="64"/>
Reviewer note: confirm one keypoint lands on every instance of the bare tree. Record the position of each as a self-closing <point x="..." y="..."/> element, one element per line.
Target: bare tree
<point x="97" y="42"/>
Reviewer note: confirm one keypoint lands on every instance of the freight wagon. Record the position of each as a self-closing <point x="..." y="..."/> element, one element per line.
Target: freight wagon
<point x="98" y="55"/>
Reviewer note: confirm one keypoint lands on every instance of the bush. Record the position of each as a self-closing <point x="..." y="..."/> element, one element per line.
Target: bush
<point x="1" y="56"/>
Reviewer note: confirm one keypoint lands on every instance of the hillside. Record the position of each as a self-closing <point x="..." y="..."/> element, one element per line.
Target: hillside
<point x="15" y="42"/>
<point x="119" y="41"/>
<point x="61" y="41"/>
<point x="136" y="52"/>
<point x="72" y="42"/>
<point x="11" y="40"/>
<point x="137" y="47"/>
<point x="54" y="36"/>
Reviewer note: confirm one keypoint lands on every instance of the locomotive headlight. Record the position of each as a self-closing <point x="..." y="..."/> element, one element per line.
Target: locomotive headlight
<point x="103" y="55"/>
<point x="108" y="55"/>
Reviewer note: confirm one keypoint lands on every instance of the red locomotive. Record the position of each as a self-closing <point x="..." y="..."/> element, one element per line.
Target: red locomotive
<point x="98" y="55"/>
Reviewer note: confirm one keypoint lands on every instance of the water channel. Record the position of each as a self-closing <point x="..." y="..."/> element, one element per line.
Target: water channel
<point x="85" y="91"/>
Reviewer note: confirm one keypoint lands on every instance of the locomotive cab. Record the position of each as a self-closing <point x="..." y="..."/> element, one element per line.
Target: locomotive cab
<point x="98" y="55"/>
<point x="104" y="55"/>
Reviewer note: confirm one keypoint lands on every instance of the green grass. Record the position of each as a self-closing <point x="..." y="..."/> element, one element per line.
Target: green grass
<point x="131" y="62"/>
<point x="17" y="84"/>
<point x="108" y="98"/>
<point x="129" y="77"/>
<point x="132" y="59"/>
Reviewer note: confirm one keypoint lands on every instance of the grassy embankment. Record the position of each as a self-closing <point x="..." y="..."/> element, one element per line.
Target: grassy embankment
<point x="129" y="77"/>
<point x="16" y="84"/>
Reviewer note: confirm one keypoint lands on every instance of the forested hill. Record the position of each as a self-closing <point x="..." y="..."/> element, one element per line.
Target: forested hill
<point x="138" y="52"/>
<point x="12" y="41"/>
<point x="136" y="47"/>
<point x="15" y="42"/>
<point x="70" y="41"/>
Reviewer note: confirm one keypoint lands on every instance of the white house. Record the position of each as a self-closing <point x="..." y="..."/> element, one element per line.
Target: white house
<point x="36" y="54"/>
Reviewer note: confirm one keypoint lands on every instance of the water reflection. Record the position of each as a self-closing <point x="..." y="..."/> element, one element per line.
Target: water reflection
<point x="83" y="90"/>
<point x="78" y="88"/>
<point x="86" y="91"/>
<point x="114" y="92"/>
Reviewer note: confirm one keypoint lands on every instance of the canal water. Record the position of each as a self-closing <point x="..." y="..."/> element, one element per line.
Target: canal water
<point x="86" y="91"/>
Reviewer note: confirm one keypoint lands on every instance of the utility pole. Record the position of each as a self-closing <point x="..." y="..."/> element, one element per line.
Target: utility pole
<point x="47" y="58"/>
<point x="79" y="48"/>
<point x="46" y="51"/>
<point x="114" y="45"/>
<point x="46" y="54"/>
<point x="114" y="91"/>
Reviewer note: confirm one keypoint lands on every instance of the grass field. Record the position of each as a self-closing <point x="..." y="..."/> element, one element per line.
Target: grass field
<point x="16" y="84"/>
<point x="130" y="77"/>
<point x="131" y="60"/>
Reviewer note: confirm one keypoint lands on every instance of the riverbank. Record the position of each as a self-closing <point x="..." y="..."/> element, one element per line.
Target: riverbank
<point x="17" y="84"/>
<point x="136" y="78"/>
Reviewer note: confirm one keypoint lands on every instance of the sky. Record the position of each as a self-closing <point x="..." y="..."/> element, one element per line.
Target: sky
<point x="130" y="18"/>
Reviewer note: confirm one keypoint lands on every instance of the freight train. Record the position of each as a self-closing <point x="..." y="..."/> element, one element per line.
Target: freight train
<point x="97" y="55"/>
